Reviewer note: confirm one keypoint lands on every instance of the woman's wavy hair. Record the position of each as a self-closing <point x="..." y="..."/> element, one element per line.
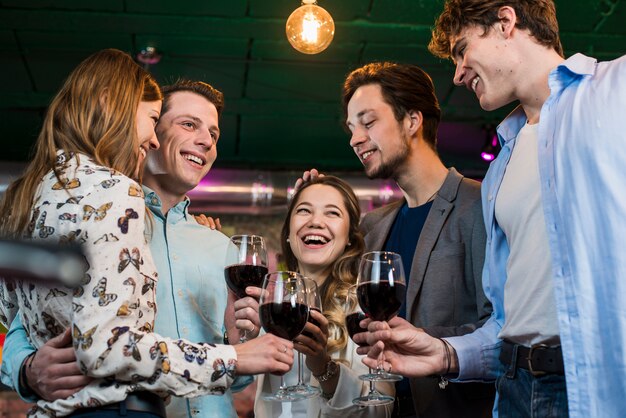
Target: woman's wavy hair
<point x="95" y="114"/>
<point x="344" y="270"/>
<point x="538" y="16"/>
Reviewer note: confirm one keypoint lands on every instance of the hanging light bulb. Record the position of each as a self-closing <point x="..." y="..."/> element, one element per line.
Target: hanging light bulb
<point x="310" y="29"/>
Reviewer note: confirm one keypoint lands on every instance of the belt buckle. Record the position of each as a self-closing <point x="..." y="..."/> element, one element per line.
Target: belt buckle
<point x="536" y="373"/>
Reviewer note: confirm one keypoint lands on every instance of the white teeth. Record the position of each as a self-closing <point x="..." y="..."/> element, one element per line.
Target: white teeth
<point x="367" y="154"/>
<point x="142" y="152"/>
<point x="475" y="83"/>
<point x="317" y="238"/>
<point x="193" y="158"/>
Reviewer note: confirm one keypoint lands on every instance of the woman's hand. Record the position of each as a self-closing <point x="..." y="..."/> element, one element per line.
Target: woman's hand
<point x="266" y="354"/>
<point x="312" y="343"/>
<point x="208" y="221"/>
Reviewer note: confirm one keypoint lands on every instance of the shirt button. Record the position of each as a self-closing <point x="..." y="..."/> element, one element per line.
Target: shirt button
<point x="180" y="293"/>
<point x="490" y="197"/>
<point x="174" y="257"/>
<point x="194" y="412"/>
<point x="185" y="330"/>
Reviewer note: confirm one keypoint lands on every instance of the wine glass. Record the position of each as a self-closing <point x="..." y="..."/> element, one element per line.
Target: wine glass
<point x="381" y="290"/>
<point x="283" y="311"/>
<point x="246" y="265"/>
<point x="302" y="389"/>
<point x="354" y="316"/>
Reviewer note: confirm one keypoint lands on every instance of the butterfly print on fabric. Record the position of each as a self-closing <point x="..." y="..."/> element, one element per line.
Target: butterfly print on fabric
<point x="110" y="237"/>
<point x="72" y="238"/>
<point x="117" y="333"/>
<point x="135" y="191"/>
<point x="52" y="325"/>
<point x="84" y="341"/>
<point x="107" y="184"/>
<point x="44" y="231"/>
<point x="122" y="222"/>
<point x="126" y="258"/>
<point x="221" y="369"/>
<point x="63" y="158"/>
<point x="159" y="349"/>
<point x="148" y="284"/>
<point x="73" y="200"/>
<point x="125" y="309"/>
<point x="130" y="282"/>
<point x="100" y="292"/>
<point x="66" y="184"/>
<point x="33" y="221"/>
<point x="53" y="293"/>
<point x="192" y="352"/>
<point x="131" y="348"/>
<point x="147" y="327"/>
<point x="77" y="307"/>
<point x="101" y="212"/>
<point x="68" y="217"/>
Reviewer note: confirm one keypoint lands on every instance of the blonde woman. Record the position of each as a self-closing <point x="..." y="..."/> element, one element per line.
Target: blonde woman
<point x="321" y="240"/>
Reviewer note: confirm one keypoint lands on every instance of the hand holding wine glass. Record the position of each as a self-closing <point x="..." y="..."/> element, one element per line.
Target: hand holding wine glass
<point x="354" y="316"/>
<point x="284" y="312"/>
<point x="381" y="290"/>
<point x="246" y="265"/>
<point x="312" y="341"/>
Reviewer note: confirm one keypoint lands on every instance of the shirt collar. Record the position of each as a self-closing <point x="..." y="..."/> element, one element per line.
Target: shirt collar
<point x="153" y="201"/>
<point x="575" y="66"/>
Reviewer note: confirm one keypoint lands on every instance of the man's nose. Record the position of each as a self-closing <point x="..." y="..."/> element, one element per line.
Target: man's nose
<point x="459" y="74"/>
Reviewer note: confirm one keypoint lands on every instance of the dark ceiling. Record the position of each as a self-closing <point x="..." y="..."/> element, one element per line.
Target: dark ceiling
<point x="282" y="107"/>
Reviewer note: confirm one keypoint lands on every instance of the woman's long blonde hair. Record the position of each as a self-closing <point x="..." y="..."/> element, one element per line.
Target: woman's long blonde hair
<point x="344" y="271"/>
<point x="94" y="113"/>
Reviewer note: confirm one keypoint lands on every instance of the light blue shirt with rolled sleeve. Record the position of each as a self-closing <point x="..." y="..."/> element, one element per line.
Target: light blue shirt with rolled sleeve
<point x="191" y="293"/>
<point x="582" y="166"/>
<point x="191" y="300"/>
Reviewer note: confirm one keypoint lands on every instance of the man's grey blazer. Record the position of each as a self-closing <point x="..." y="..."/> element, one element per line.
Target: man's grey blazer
<point x="444" y="294"/>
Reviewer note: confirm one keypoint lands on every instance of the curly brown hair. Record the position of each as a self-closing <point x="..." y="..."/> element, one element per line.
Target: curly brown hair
<point x="538" y="16"/>
<point x="344" y="270"/>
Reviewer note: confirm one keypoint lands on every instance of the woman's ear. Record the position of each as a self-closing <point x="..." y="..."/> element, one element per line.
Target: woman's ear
<point x="104" y="99"/>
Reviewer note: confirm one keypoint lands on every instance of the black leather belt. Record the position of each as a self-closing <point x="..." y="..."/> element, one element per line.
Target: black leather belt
<point x="539" y="359"/>
<point x="136" y="401"/>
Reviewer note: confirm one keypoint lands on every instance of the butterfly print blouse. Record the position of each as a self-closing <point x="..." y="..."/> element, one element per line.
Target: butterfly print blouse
<point x="111" y="315"/>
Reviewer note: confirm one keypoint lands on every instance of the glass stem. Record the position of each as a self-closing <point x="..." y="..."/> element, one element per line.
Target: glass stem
<point x="300" y="370"/>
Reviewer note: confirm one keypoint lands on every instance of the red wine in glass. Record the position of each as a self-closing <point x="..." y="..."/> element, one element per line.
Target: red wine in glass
<point x="313" y="321"/>
<point x="381" y="300"/>
<point x="285" y="319"/>
<point x="354" y="315"/>
<point x="352" y="323"/>
<point x="240" y="276"/>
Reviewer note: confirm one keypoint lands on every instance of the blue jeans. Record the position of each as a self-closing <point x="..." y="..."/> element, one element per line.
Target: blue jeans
<point x="526" y="396"/>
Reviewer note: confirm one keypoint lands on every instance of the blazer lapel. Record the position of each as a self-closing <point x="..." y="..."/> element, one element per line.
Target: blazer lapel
<point x="439" y="212"/>
<point x="376" y="237"/>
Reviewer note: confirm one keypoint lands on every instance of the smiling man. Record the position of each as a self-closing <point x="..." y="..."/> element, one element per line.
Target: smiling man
<point x="393" y="115"/>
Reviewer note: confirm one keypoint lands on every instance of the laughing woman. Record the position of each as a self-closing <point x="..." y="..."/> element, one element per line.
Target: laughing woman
<point x="322" y="241"/>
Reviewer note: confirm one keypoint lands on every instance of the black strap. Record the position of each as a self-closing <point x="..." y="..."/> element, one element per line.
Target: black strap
<point x="539" y="359"/>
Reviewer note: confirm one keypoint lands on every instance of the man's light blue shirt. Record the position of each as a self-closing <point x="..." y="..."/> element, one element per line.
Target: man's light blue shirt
<point x="191" y="300"/>
<point x="191" y="293"/>
<point x="582" y="161"/>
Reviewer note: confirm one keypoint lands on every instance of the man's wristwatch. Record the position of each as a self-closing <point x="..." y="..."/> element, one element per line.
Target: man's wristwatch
<point x="332" y="369"/>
